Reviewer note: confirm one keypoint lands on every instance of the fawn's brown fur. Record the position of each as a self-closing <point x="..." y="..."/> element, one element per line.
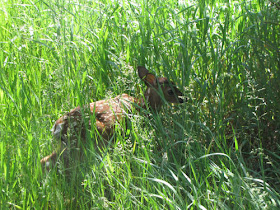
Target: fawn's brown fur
<point x="107" y="113"/>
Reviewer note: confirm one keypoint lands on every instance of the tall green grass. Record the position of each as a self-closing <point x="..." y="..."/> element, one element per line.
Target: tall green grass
<point x="218" y="150"/>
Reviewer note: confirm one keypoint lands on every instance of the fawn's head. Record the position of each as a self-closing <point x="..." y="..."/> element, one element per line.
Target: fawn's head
<point x="159" y="87"/>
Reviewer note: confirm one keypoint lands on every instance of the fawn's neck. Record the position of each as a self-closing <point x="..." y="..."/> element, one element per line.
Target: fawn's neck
<point x="151" y="100"/>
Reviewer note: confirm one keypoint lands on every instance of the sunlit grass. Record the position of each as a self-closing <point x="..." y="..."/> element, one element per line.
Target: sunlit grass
<point x="218" y="150"/>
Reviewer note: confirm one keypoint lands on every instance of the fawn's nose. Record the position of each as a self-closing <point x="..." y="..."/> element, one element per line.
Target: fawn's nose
<point x="182" y="99"/>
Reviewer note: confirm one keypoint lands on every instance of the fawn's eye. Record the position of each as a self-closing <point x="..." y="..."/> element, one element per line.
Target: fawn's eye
<point x="170" y="92"/>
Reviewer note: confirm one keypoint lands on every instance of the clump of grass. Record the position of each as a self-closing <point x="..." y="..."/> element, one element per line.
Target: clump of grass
<point x="220" y="150"/>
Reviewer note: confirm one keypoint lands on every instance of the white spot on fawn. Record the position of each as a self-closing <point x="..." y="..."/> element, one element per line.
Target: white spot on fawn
<point x="56" y="130"/>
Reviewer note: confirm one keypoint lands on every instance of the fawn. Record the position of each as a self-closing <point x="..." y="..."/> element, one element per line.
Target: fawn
<point x="105" y="114"/>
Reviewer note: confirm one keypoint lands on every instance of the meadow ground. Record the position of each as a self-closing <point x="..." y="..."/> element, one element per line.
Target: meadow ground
<point x="220" y="150"/>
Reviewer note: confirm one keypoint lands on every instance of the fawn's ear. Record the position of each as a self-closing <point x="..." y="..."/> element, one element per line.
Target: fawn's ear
<point x="146" y="76"/>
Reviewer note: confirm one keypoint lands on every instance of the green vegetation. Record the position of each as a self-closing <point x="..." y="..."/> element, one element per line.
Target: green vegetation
<point x="218" y="150"/>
